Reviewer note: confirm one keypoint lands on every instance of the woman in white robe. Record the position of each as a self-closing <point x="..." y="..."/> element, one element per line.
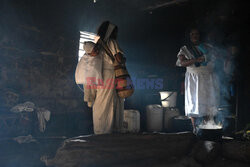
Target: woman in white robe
<point x="201" y="83"/>
<point x="108" y="106"/>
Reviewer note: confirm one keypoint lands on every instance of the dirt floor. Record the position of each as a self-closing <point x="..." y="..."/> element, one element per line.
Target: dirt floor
<point x="13" y="154"/>
<point x="135" y="150"/>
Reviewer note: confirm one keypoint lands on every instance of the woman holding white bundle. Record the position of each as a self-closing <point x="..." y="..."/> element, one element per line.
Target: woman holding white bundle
<point x="107" y="105"/>
<point x="201" y="83"/>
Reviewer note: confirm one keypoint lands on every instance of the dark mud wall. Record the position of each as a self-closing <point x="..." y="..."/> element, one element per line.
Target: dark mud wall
<point x="39" y="52"/>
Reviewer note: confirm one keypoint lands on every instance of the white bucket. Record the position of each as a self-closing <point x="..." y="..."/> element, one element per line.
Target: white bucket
<point x="168" y="98"/>
<point x="131" y="121"/>
<point x="154" y="117"/>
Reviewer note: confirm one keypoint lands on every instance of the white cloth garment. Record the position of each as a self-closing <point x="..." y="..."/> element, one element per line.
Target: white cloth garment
<point x="89" y="68"/>
<point x="23" y="107"/>
<point x="108" y="107"/>
<point x="201" y="85"/>
<point x="43" y="116"/>
<point x="24" y="139"/>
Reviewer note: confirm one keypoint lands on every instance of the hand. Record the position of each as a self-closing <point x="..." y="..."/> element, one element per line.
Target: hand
<point x="94" y="52"/>
<point x="96" y="39"/>
<point x="200" y="59"/>
<point x="90" y="104"/>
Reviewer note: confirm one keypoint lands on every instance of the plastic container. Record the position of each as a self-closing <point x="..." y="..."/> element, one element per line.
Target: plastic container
<point x="154" y="115"/>
<point x="131" y="121"/>
<point x="168" y="98"/>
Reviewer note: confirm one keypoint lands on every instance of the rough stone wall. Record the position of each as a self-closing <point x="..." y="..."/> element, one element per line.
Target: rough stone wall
<point x="43" y="74"/>
<point x="39" y="66"/>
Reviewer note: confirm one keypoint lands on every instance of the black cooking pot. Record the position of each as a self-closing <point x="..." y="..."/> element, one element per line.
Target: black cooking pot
<point x="210" y="134"/>
<point x="182" y="123"/>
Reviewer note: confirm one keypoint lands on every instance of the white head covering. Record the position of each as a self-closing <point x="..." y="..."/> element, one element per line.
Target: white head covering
<point x="88" y="46"/>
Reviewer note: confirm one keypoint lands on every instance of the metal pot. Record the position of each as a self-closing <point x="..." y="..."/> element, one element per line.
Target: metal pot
<point x="182" y="123"/>
<point x="210" y="134"/>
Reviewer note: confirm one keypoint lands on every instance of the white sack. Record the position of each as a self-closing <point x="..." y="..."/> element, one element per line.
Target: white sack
<point x="89" y="67"/>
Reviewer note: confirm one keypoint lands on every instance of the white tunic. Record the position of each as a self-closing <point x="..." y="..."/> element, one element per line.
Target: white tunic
<point x="108" y="106"/>
<point x="201" y="86"/>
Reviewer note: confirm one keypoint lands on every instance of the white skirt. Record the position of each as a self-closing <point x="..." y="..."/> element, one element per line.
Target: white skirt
<point x="201" y="92"/>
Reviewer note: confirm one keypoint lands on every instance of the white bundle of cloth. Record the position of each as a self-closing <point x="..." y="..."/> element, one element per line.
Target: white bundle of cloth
<point x="23" y="107"/>
<point x="89" y="68"/>
<point x="43" y="116"/>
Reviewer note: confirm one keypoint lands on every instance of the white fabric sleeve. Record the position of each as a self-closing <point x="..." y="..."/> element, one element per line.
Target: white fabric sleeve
<point x="185" y="52"/>
<point x="181" y="52"/>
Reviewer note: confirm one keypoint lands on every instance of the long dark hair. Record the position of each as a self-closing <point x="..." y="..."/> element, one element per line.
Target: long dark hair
<point x="101" y="31"/>
<point x="187" y="34"/>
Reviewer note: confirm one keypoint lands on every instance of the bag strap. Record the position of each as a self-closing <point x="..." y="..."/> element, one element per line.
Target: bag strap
<point x="106" y="48"/>
<point x="115" y="48"/>
<point x="118" y="51"/>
